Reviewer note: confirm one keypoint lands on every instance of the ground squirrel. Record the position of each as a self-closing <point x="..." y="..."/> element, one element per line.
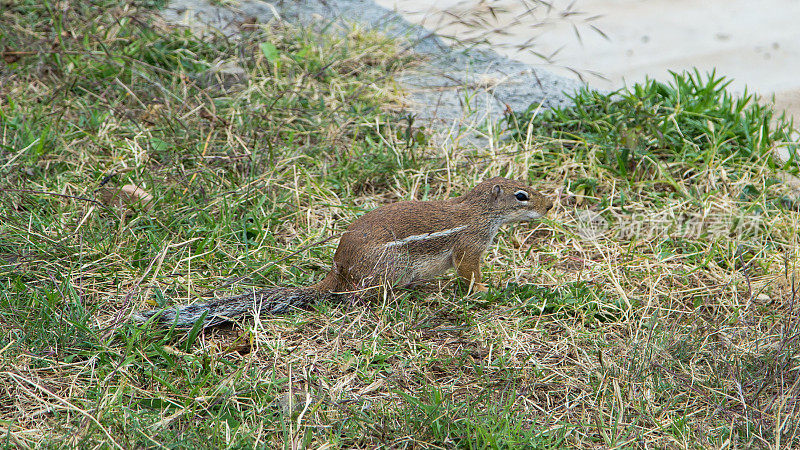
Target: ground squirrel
<point x="393" y="245"/>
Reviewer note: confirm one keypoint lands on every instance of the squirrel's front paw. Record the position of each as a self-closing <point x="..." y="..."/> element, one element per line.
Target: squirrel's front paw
<point x="478" y="287"/>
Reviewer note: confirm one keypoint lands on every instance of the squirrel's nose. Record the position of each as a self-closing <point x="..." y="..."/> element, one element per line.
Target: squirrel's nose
<point x="549" y="206"/>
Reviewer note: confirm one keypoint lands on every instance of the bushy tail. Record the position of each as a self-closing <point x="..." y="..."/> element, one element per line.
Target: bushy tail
<point x="269" y="301"/>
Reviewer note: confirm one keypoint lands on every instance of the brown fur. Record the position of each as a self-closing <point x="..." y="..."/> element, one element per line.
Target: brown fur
<point x="394" y="245"/>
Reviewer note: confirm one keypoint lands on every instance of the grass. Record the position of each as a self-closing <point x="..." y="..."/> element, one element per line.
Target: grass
<point x="656" y="307"/>
<point x="666" y="129"/>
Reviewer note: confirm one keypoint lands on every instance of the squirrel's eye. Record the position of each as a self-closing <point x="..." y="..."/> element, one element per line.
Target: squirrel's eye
<point x="521" y="196"/>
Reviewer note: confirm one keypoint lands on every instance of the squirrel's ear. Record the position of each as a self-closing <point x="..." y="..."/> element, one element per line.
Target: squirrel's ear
<point x="496" y="191"/>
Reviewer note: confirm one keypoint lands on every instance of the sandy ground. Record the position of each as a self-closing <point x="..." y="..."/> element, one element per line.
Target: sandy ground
<point x="757" y="44"/>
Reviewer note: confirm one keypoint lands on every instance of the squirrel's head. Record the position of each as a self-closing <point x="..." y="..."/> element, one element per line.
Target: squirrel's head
<point x="512" y="200"/>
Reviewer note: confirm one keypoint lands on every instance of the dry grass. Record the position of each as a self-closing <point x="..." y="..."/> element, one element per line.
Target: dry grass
<point x="661" y="337"/>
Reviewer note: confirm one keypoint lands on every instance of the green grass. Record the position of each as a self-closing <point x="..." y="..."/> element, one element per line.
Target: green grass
<point x="657" y="129"/>
<point x="672" y="323"/>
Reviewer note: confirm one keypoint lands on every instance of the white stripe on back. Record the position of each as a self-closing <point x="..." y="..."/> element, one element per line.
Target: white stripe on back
<point x="424" y="237"/>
